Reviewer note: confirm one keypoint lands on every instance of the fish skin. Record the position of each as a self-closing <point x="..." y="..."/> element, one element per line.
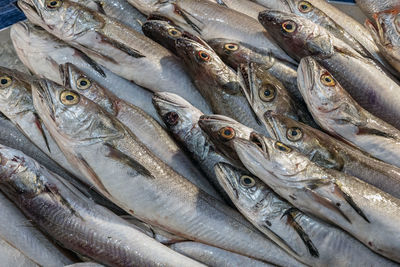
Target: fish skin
<point x="340" y="115"/>
<point x="371" y="7"/>
<point x="141" y="125"/>
<point x="188" y="133"/>
<point x="125" y="171"/>
<point x="246" y="7"/>
<point x="312" y="240"/>
<point x="245" y="54"/>
<point x="331" y="153"/>
<point x="355" y="206"/>
<point x="373" y="88"/>
<point x="42" y="53"/>
<point x="211" y="20"/>
<point x="212" y="256"/>
<point x="122" y="50"/>
<point x="218" y="83"/>
<point x="77" y="222"/>
<point x="11" y="256"/>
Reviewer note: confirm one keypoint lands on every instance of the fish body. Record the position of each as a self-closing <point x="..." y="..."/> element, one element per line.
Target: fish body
<point x="125" y="171"/>
<point x="122" y="50"/>
<point x="78" y="223"/>
<point x="371" y="7"/>
<point x="336" y="112"/>
<point x="142" y="126"/>
<point x="246" y="7"/>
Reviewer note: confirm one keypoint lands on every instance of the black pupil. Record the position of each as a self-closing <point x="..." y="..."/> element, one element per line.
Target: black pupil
<point x="204" y="55"/>
<point x="267" y="92"/>
<point x="289" y="26"/>
<point x="294" y="132"/>
<point x="247" y="181"/>
<point x="173" y="32"/>
<point x="232" y="47"/>
<point x="304" y="7"/>
<point x="53" y="3"/>
<point x="69" y="97"/>
<point x="83" y="83"/>
<point x="282" y="148"/>
<point x="172" y="117"/>
<point x="4" y="81"/>
<point x="227" y="132"/>
<point x="327" y="79"/>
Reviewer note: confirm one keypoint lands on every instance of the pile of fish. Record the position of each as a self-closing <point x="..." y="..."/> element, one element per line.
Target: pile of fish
<point x="201" y="133"/>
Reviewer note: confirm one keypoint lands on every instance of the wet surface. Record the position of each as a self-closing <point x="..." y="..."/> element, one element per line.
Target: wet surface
<point x="8" y="57"/>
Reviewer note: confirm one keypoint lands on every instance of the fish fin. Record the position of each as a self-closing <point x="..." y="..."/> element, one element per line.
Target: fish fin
<point x="291" y="220"/>
<point x="38" y="122"/>
<point x="92" y="63"/>
<point x="185" y="15"/>
<point x="129" y="51"/>
<point x="125" y="159"/>
<point x="371" y="131"/>
<point x="338" y="191"/>
<point x="325" y="201"/>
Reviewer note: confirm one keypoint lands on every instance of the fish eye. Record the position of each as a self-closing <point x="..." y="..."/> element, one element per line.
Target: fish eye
<point x="267" y="93"/>
<point x="247" y="181"/>
<point x="294" y="134"/>
<point x="305" y="6"/>
<point x="328" y="80"/>
<point x="227" y="133"/>
<point x="53" y="4"/>
<point x="69" y="98"/>
<point x="171" y="118"/>
<point x="289" y="26"/>
<point x="231" y="47"/>
<point x="83" y="83"/>
<point x="282" y="147"/>
<point x="204" y="56"/>
<point x="174" y="32"/>
<point x="5" y="81"/>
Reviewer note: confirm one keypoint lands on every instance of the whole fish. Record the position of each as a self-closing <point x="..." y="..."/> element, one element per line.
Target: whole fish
<point x="355" y="206"/>
<point x="212" y="256"/>
<point x="310" y="240"/>
<point x="142" y="126"/>
<point x="20" y="234"/>
<point x="246" y="7"/>
<point x="338" y="114"/>
<point x="181" y="119"/>
<point x="367" y="83"/>
<point x="218" y="83"/>
<point x="125" y="171"/>
<point x="42" y="53"/>
<point x="76" y="222"/>
<point x="115" y="46"/>
<point x="210" y="21"/>
<point x="235" y="53"/>
<point x="331" y="153"/>
<point x="371" y="7"/>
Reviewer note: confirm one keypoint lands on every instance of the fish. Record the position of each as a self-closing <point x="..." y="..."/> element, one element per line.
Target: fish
<point x="122" y="50"/>
<point x="331" y="153"/>
<point x="43" y="53"/>
<point x="248" y="8"/>
<point x="181" y="119"/>
<point x="340" y="115"/>
<point x="372" y="87"/>
<point x="76" y="222"/>
<point x="210" y="20"/>
<point x="235" y="53"/>
<point x="140" y="124"/>
<point x="128" y="174"/>
<point x="310" y="240"/>
<point x="212" y="256"/>
<point x="371" y="7"/>
<point x="358" y="208"/>
<point x="218" y="83"/>
<point x="11" y="256"/>
<point x="85" y="264"/>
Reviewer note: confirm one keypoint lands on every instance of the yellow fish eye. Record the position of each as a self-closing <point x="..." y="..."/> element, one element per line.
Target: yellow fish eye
<point x="5" y="81"/>
<point x="294" y="134"/>
<point x="328" y="80"/>
<point x="247" y="181"/>
<point x="227" y="133"/>
<point x="203" y="55"/>
<point x="231" y="47"/>
<point x="69" y="98"/>
<point x="267" y="93"/>
<point x="174" y="32"/>
<point x="282" y="147"/>
<point x="83" y="83"/>
<point x="289" y="26"/>
<point x="305" y="6"/>
<point x="53" y="4"/>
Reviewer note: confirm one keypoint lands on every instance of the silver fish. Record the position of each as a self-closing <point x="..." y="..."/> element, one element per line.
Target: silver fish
<point x="371" y="7"/>
<point x="246" y="7"/>
<point x="76" y="222"/>
<point x="115" y="46"/>
<point x="125" y="171"/>
<point x="338" y="114"/>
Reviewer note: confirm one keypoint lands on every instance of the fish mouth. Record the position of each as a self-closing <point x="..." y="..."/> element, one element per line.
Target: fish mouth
<point x="272" y="125"/>
<point x="165" y="99"/>
<point x="222" y="172"/>
<point x="216" y="118"/>
<point x="258" y="140"/>
<point x="44" y="96"/>
<point x="29" y="7"/>
<point x="306" y="77"/>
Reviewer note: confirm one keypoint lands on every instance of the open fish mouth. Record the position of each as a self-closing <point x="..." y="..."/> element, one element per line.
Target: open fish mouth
<point x="44" y="97"/>
<point x="158" y="98"/>
<point x="29" y="7"/>
<point x="257" y="139"/>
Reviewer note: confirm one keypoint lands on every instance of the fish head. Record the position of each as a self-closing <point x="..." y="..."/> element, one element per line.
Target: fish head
<point x="307" y="10"/>
<point x="72" y="116"/>
<point x="78" y="81"/>
<point x="207" y="67"/>
<point x="298" y="36"/>
<point x="388" y="31"/>
<point x="178" y="114"/>
<point x="319" y="88"/>
<point x="15" y="92"/>
<point x="163" y="32"/>
<point x="146" y="6"/>
<point x="65" y="19"/>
